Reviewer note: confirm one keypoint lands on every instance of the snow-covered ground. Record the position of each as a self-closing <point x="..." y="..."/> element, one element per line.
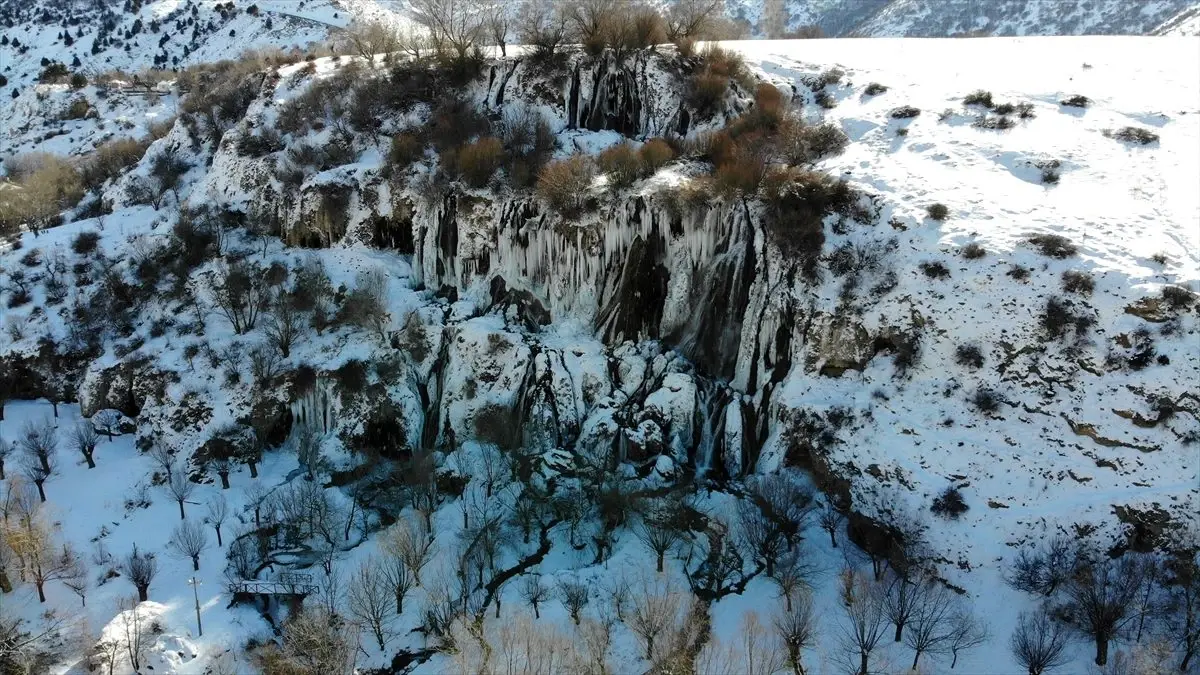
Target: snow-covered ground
<point x="1024" y="470"/>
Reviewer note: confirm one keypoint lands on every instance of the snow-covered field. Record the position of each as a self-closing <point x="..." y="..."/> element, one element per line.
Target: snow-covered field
<point x="1026" y="470"/>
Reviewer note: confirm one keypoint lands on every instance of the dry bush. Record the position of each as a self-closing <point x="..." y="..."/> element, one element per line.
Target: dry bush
<point x="406" y="148"/>
<point x="622" y="164"/>
<point x="111" y="160"/>
<point x="564" y="184"/>
<point x="1078" y="281"/>
<point x="475" y="163"/>
<point x="655" y="153"/>
<point x="706" y="90"/>
<point x="48" y="186"/>
<point x="455" y="119"/>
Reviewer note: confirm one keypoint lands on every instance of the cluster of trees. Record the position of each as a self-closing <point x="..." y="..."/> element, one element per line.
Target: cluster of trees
<point x="37" y="450"/>
<point x="1141" y="600"/>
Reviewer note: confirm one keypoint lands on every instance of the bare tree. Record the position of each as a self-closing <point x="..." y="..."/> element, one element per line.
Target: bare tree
<point x="865" y="621"/>
<point x="901" y="601"/>
<point x="797" y="628"/>
<point x="314" y="640"/>
<point x="496" y="25"/>
<point x="1102" y="594"/>
<point x="85" y="439"/>
<point x="410" y="542"/>
<point x="180" y="489"/>
<point x="218" y="513"/>
<point x="760" y="535"/>
<point x="6" y="449"/>
<point x="574" y="597"/>
<point x="655" y="607"/>
<point x="1039" y="643"/>
<point x="544" y="25"/>
<point x="369" y="600"/>
<point x="38" y="471"/>
<point x="455" y="26"/>
<point x="534" y="592"/>
<point x="659" y="535"/>
<point x="966" y="633"/>
<point x="691" y="19"/>
<point x="40" y="441"/>
<point x="931" y="623"/>
<point x="42" y="558"/>
<point x="372" y="37"/>
<point x="1043" y="570"/>
<point x="189" y="540"/>
<point x="163" y="458"/>
<point x="792" y="573"/>
<point x="240" y="294"/>
<point x="285" y="327"/>
<point x="1182" y="607"/>
<point x="140" y="568"/>
<point x="107" y="422"/>
<point x="136" y="630"/>
<point x="256" y="496"/>
<point x="399" y="577"/>
<point x="831" y="520"/>
<point x="76" y="579"/>
<point x="366" y="305"/>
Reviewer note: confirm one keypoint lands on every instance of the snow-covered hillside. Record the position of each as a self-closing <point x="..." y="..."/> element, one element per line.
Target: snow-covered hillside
<point x="543" y="392"/>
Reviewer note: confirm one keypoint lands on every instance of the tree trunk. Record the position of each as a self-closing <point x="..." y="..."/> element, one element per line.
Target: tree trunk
<point x="1187" y="657"/>
<point x="649" y="647"/>
<point x="899" y="630"/>
<point x="954" y="661"/>
<point x="916" y="657"/>
<point x="660" y="562"/>
<point x="2" y="476"/>
<point x="224" y="479"/>
<point x="218" y="529"/>
<point x="195" y="563"/>
<point x="536" y="613"/>
<point x="87" y="456"/>
<point x="45" y="460"/>
<point x="832" y="537"/>
<point x="41" y="591"/>
<point x="181" y="515"/>
<point x="41" y="489"/>
<point x="862" y="668"/>
<point x="253" y="468"/>
<point x="399" y="603"/>
<point x="143" y="593"/>
<point x="787" y="601"/>
<point x="1101" y="649"/>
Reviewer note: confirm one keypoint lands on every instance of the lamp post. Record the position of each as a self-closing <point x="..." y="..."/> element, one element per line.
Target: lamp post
<point x="194" y="582"/>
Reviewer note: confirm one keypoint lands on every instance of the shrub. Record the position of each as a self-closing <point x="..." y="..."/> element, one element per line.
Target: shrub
<point x="938" y="212"/>
<point x="78" y="109"/>
<point x="406" y="149"/>
<point x="622" y="164"/>
<point x="825" y="100"/>
<point x="1000" y="123"/>
<point x="49" y="185"/>
<point x="85" y="243"/>
<point x="564" y="184"/>
<point x="1178" y="297"/>
<point x="111" y="160"/>
<point x="1076" y="101"/>
<point x="1018" y="272"/>
<point x="986" y="400"/>
<point x="935" y="270"/>
<point x="1050" y="175"/>
<point x="1077" y="281"/>
<point x="904" y="112"/>
<point x="1058" y="317"/>
<point x="1134" y="135"/>
<point x="706" y="94"/>
<point x="53" y="73"/>
<point x="797" y="202"/>
<point x="874" y="89"/>
<point x="478" y="161"/>
<point x="78" y="81"/>
<point x="969" y="355"/>
<point x="949" y="504"/>
<point x="802" y="144"/>
<point x="655" y="153"/>
<point x="1053" y="245"/>
<point x="979" y="97"/>
<point x="973" y="251"/>
<point x="455" y="119"/>
<point x="260" y="143"/>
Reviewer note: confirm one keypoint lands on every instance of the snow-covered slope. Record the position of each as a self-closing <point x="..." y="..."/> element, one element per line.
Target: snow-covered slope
<point x="689" y="347"/>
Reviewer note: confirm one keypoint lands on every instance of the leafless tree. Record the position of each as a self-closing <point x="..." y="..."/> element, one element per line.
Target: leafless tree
<point x="140" y="567"/>
<point x="366" y="305"/>
<point x="931" y="623"/>
<point x="534" y="591"/>
<point x="797" y="628"/>
<point x="85" y="439"/>
<point x="691" y="19"/>
<point x="864" y="622"/>
<point x="369" y="38"/>
<point x="6" y="449"/>
<point x="1043" y="570"/>
<point x="760" y="535"/>
<point x="656" y="607"/>
<point x="76" y="579"/>
<point x="659" y="535"/>
<point x="42" y="557"/>
<point x="315" y="640"/>
<point x="240" y="294"/>
<point x="265" y="365"/>
<point x="410" y="542"/>
<point x="136" y="630"/>
<point x="901" y="601"/>
<point x="1147" y="602"/>
<point x="399" y="577"/>
<point x="544" y="25"/>
<point x="285" y="327"/>
<point x="163" y="458"/>
<point x="218" y="513"/>
<point x="966" y="633"/>
<point x="574" y="597"/>
<point x="831" y="520"/>
<point x="369" y="600"/>
<point x="496" y="20"/>
<point x="40" y="441"/>
<point x="180" y="489"/>
<point x="38" y="470"/>
<point x="256" y="496"/>
<point x="1039" y="643"/>
<point x="1101" y="596"/>
<point x="1182" y="607"/>
<point x="189" y="540"/>
<point x="456" y="27"/>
